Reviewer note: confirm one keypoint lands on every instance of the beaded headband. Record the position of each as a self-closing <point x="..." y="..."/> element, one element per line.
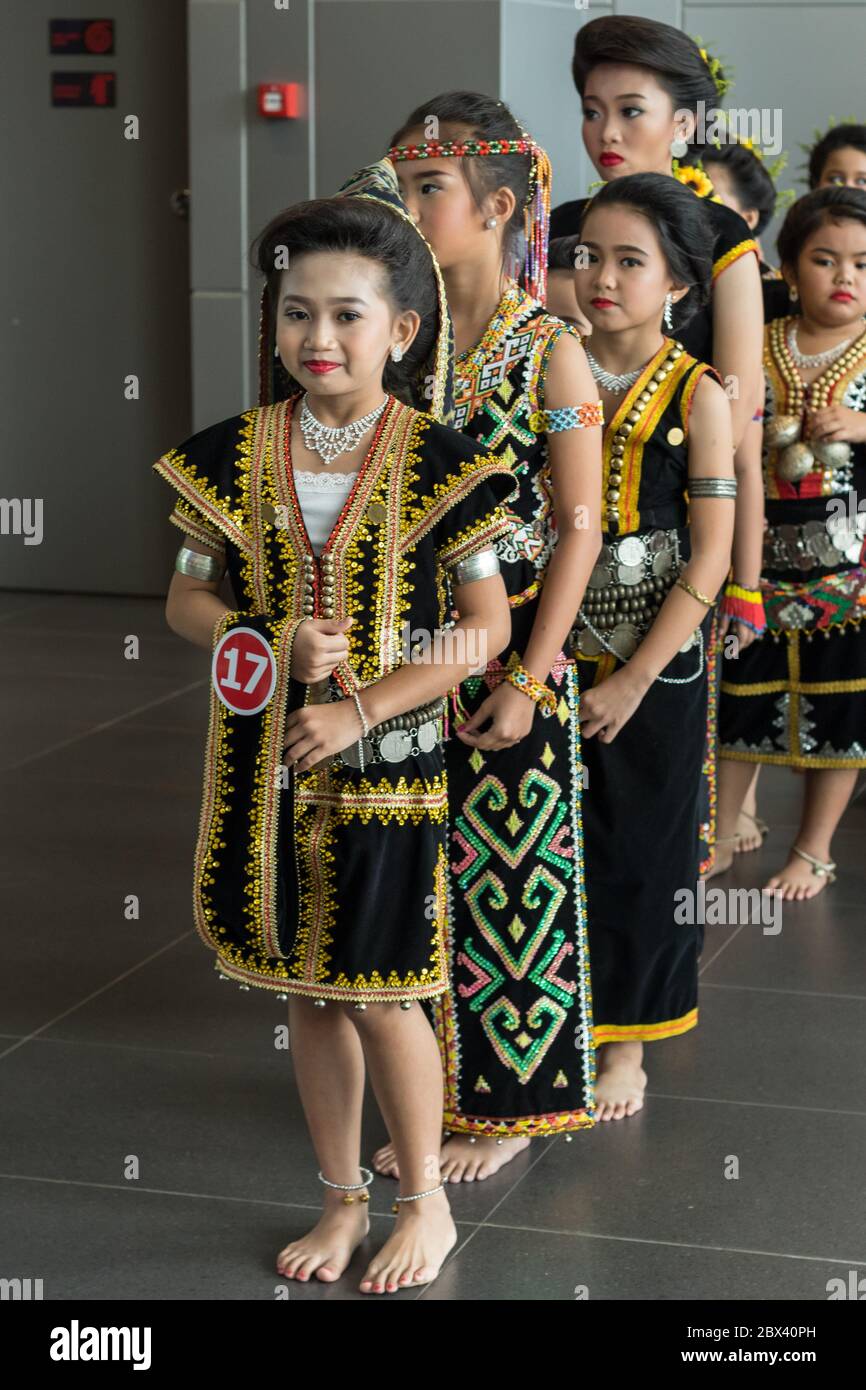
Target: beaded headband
<point x="434" y="391"/>
<point x="536" y="213"/>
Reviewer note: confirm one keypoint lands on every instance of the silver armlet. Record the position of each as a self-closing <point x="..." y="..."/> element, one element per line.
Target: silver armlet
<point x="198" y="566"/>
<point x="712" y="487"/>
<point x="478" y="566"/>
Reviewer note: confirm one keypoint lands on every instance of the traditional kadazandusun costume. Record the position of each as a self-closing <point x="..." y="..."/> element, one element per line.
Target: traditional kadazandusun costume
<point x="332" y="883"/>
<point x="515" y="1032"/>
<point x="641" y="806"/>
<point x="732" y="241"/>
<point x="797" y="696"/>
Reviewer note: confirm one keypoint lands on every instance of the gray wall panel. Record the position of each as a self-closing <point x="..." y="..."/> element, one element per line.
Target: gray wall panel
<point x="378" y="59"/>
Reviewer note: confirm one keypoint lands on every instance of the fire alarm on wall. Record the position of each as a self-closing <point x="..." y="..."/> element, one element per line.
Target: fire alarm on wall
<point x="280" y="99"/>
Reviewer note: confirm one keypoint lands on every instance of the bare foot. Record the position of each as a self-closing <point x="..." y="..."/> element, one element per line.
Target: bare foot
<point x="413" y="1254"/>
<point x="796" y="882"/>
<point x="724" y="856"/>
<point x="465" y="1161"/>
<point x="621" y="1083"/>
<point x="461" y="1160"/>
<point x="749" y="832"/>
<point x="384" y="1161"/>
<point x="328" y="1247"/>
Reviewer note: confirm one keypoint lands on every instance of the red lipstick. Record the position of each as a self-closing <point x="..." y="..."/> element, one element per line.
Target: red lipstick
<point x="843" y="296"/>
<point x="609" y="159"/>
<point x="320" y="367"/>
<point x="600" y="303"/>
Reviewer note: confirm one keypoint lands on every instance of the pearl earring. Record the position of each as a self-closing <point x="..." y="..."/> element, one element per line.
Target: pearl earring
<point x="668" y="316"/>
<point x="491" y="222"/>
<point x="276" y="352"/>
<point x="396" y="353"/>
<point x="678" y="147"/>
<point x="793" y="293"/>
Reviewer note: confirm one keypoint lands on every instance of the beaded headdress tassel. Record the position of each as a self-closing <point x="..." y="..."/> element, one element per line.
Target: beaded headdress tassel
<point x="536" y="213"/>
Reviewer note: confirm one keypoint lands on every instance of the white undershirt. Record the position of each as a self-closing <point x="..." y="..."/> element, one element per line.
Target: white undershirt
<point x="322" y="497"/>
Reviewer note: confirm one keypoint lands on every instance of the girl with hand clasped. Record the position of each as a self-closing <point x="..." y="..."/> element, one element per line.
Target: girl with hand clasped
<point x="515" y="1031"/>
<point x="643" y="628"/>
<point x="343" y="516"/>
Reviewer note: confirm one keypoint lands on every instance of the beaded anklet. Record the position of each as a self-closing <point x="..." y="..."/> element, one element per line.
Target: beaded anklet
<point x="526" y="683"/>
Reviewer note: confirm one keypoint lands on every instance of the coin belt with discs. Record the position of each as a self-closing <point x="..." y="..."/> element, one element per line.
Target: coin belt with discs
<point x="629" y="583"/>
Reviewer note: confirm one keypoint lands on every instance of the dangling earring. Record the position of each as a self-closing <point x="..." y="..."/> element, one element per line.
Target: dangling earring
<point x="668" y="316"/>
<point x="396" y="353"/>
<point x="491" y="222"/>
<point x="793" y="293"/>
<point x="678" y="147"/>
<point x="276" y="352"/>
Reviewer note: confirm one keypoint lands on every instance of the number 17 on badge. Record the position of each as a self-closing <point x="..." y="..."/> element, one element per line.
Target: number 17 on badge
<point x="243" y="670"/>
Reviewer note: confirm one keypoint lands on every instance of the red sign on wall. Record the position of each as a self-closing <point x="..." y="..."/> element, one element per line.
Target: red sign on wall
<point x="83" y="88"/>
<point x="81" y="35"/>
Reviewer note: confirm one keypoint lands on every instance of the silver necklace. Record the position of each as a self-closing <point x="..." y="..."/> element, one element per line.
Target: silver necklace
<point x="814" y="359"/>
<point x="609" y="380"/>
<point x="329" y="441"/>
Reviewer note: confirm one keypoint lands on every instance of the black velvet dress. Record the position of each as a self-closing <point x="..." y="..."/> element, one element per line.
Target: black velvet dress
<point x="641" y="804"/>
<point x="732" y="240"/>
<point x="330" y="883"/>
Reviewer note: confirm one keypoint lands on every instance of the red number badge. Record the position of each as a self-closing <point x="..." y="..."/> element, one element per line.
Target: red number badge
<point x="243" y="670"/>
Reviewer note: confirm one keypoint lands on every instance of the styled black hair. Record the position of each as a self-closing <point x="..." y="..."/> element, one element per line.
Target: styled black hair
<point x="838" y="137"/>
<point x="683" y="229"/>
<point x="371" y="230"/>
<point x="671" y="56"/>
<point x="814" y="210"/>
<point x="486" y="118"/>
<point x="560" y="252"/>
<point x="752" y="184"/>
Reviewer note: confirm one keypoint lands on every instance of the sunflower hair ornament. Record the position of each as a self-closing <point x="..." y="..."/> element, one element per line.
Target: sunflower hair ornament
<point x="722" y="76"/>
<point x="695" y="177"/>
<point x="536" y="211"/>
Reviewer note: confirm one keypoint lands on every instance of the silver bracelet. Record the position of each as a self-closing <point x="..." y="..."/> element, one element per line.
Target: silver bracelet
<point x="712" y="487"/>
<point x="198" y="566"/>
<point x="364" y="725"/>
<point x="478" y="566"/>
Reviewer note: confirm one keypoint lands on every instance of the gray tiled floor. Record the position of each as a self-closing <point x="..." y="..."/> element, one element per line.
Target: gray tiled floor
<point x="118" y="1041"/>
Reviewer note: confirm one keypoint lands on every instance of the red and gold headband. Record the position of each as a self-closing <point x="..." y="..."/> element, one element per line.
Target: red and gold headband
<point x="536" y="213"/>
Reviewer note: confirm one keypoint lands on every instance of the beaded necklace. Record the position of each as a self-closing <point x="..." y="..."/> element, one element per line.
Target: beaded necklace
<point x="614" y="445"/>
<point x="817" y="394"/>
<point x="495" y="332"/>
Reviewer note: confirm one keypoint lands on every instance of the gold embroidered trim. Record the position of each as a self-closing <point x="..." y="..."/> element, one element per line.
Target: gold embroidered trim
<point x="644" y="1032"/>
<point x="197" y="530"/>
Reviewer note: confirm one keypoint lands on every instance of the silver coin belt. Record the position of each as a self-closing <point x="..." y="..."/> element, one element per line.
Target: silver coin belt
<point x="404" y="736"/>
<point x="628" y="585"/>
<point x="836" y="541"/>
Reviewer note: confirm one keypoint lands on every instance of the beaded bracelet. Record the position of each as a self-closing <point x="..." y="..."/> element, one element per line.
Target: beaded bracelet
<point x="695" y="593"/>
<point x="567" y="417"/>
<point x="364" y="725"/>
<point x="526" y="683"/>
<point x="744" y="606"/>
